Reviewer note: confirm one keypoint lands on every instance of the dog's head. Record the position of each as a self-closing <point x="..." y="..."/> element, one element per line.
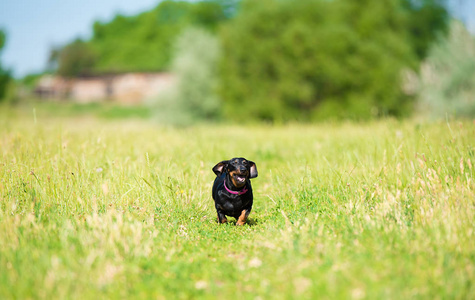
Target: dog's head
<point x="239" y="170"/>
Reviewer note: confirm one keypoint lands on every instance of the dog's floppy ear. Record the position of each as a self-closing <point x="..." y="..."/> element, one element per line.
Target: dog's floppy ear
<point x="218" y="169"/>
<point x="253" y="170"/>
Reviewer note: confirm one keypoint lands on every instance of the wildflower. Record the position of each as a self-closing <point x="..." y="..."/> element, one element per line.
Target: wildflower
<point x="201" y="285"/>
<point x="255" y="262"/>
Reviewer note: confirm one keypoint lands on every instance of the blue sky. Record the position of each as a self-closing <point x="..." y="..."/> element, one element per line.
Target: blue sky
<point x="33" y="27"/>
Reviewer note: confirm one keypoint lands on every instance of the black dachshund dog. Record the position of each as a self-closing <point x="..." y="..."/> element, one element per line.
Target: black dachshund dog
<point x="232" y="190"/>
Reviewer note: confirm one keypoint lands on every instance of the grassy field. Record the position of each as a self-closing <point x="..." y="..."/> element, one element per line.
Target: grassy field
<point x="93" y="209"/>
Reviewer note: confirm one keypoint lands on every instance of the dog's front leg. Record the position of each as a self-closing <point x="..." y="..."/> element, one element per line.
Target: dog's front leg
<point x="243" y="217"/>
<point x="221" y="217"/>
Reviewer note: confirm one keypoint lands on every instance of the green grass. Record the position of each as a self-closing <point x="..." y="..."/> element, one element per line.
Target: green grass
<point x="93" y="209"/>
<point x="67" y="109"/>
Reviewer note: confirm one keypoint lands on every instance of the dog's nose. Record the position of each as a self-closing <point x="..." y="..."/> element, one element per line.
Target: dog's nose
<point x="242" y="169"/>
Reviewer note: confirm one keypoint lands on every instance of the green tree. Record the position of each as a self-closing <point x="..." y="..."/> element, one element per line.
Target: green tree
<point x="5" y="76"/>
<point x="194" y="97"/>
<point x="426" y="21"/>
<point x="145" y="42"/>
<point x="75" y="59"/>
<point x="315" y="59"/>
<point x="197" y="53"/>
<point x="446" y="80"/>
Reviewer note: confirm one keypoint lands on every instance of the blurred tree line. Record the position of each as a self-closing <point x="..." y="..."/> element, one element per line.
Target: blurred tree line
<point x="314" y="59"/>
<point x="274" y="60"/>
<point x="136" y="43"/>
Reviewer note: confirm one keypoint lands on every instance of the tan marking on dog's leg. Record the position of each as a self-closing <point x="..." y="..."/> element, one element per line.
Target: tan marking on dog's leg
<point x="242" y="218"/>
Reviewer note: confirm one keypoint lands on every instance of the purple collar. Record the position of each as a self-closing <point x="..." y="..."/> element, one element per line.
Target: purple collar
<point x="241" y="192"/>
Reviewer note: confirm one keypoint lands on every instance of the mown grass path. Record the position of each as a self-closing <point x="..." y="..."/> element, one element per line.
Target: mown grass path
<point x="109" y="209"/>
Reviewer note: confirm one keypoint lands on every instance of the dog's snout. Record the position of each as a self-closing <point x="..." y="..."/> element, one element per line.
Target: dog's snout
<point x="242" y="169"/>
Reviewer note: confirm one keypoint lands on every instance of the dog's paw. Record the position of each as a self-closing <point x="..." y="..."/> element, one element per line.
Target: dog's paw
<point x="223" y="221"/>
